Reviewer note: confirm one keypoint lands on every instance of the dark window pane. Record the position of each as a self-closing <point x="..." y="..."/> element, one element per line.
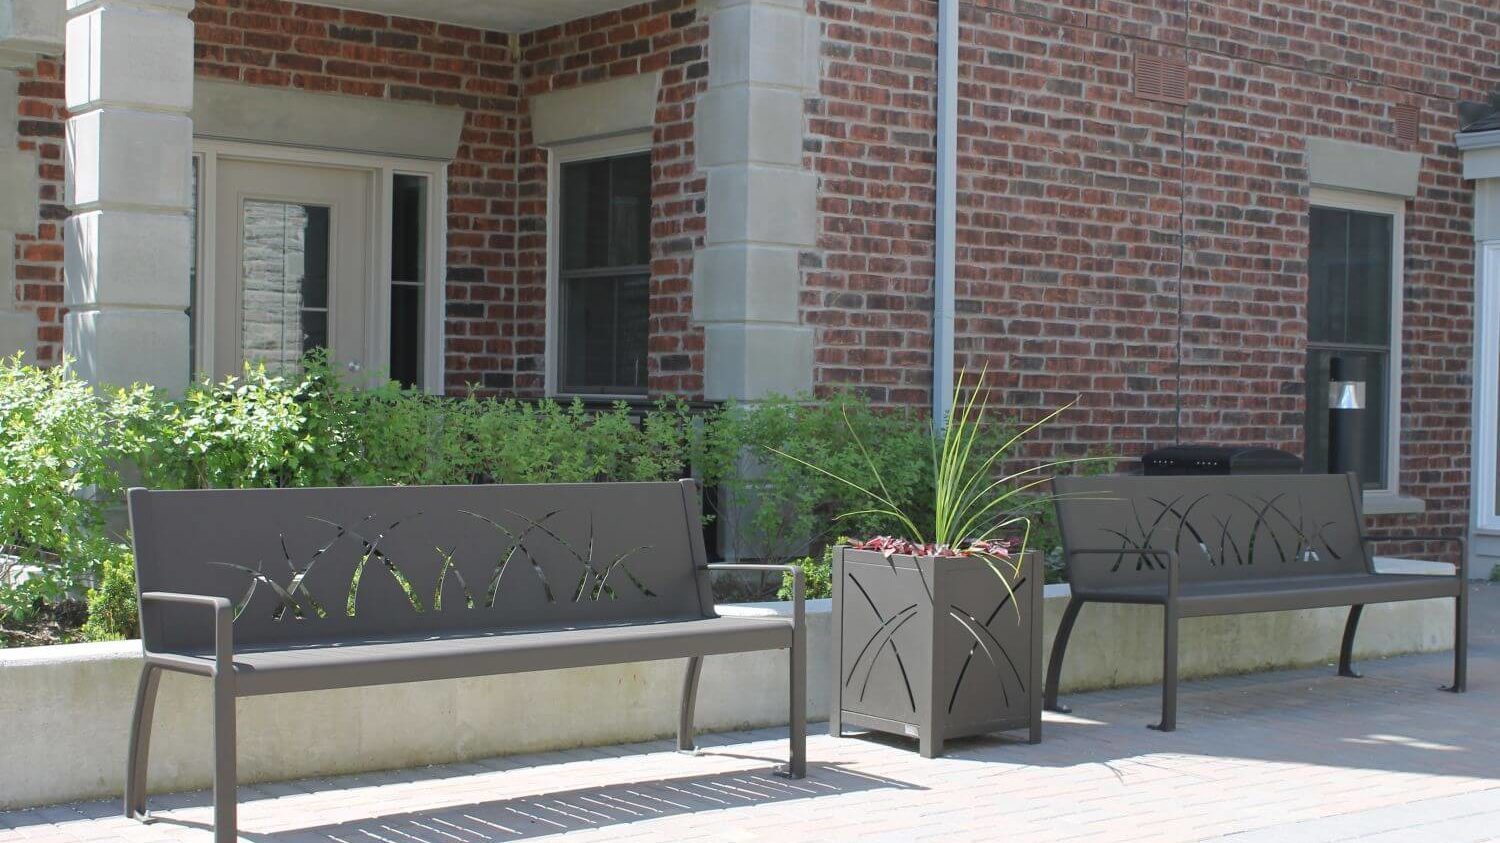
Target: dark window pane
<point x="408" y="228"/>
<point x="604" y="333"/>
<point x="315" y="280"/>
<point x="605" y="221"/>
<point x="1372" y="466"/>
<point x="314" y="329"/>
<point x="1369" y="307"/>
<point x="585" y="214"/>
<point x="408" y="272"/>
<point x="1327" y="274"/>
<point x="630" y="214"/>
<point x="406" y="334"/>
<point x="1349" y="277"/>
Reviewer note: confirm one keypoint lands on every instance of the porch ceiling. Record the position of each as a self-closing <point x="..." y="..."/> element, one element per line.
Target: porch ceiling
<point x="496" y="15"/>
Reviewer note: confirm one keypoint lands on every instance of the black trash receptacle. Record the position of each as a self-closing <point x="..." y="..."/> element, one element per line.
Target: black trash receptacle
<point x="1218" y="459"/>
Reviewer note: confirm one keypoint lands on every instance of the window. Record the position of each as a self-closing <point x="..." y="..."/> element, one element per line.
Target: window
<point x="602" y="260"/>
<point x="1354" y="272"/>
<point x="408" y="276"/>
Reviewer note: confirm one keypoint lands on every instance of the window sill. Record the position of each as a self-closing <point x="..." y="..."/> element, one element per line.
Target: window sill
<point x="1391" y="503"/>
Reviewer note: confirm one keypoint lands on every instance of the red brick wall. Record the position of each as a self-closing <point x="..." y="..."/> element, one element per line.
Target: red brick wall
<point x="41" y="122"/>
<point x="1078" y="200"/>
<point x="669" y="36"/>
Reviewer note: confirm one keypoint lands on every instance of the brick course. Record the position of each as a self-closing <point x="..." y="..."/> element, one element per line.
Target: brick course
<point x="41" y="126"/>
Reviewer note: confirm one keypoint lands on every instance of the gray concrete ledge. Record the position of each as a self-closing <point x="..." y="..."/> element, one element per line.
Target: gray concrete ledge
<point x="65" y="710"/>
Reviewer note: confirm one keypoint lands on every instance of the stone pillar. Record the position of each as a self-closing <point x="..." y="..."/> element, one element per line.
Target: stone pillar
<point x="130" y="141"/>
<point x="761" y="202"/>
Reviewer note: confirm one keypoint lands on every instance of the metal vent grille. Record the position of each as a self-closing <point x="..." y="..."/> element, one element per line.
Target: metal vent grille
<point x="1161" y="79"/>
<point x="1408" y="119"/>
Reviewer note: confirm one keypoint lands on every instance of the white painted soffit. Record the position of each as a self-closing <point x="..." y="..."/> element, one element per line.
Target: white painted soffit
<point x="1481" y="154"/>
<point x="234" y="112"/>
<point x="495" y="15"/>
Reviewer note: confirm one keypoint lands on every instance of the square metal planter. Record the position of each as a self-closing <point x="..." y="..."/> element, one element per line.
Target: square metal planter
<point x="933" y="648"/>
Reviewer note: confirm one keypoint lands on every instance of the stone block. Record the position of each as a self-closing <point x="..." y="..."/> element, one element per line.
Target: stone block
<point x="747" y="361"/>
<point x="747" y="124"/>
<point x="757" y="43"/>
<point x="130" y="56"/>
<point x="34" y="26"/>
<point x="133" y="158"/>
<point x="127" y="258"/>
<point x="122" y="347"/>
<point x="762" y="205"/>
<point x="746" y="283"/>
<point x="18" y="191"/>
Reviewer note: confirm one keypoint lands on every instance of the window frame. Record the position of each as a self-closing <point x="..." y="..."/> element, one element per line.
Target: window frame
<point x="633" y="143"/>
<point x="382" y="170"/>
<point x="1387" y="498"/>
<point x="1487" y="388"/>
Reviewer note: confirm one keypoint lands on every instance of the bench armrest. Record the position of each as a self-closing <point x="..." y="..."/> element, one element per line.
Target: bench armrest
<point x="1170" y="556"/>
<point x="799" y="584"/>
<point x="223" y="613"/>
<point x="1462" y="566"/>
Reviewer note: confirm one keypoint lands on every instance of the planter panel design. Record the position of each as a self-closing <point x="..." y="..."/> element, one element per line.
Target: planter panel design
<point x="935" y="648"/>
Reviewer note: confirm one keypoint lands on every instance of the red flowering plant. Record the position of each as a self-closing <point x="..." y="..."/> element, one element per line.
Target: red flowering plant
<point x="976" y="509"/>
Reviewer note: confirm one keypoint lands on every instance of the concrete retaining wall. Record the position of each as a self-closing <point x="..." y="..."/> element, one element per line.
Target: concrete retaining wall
<point x="65" y="710"/>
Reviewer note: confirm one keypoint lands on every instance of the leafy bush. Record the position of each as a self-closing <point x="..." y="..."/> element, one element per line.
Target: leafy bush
<point x="785" y="507"/>
<point x="817" y="577"/>
<point x="61" y="444"/>
<point x="112" y="603"/>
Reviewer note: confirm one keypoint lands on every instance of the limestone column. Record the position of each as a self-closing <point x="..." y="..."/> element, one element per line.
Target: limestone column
<point x="130" y="140"/>
<point x="761" y="201"/>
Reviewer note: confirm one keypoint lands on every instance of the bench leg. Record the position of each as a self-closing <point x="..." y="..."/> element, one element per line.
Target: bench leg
<point x="225" y="779"/>
<point x="1460" y="640"/>
<point x="689" y="703"/>
<point x="797" y="714"/>
<point x="140" y="743"/>
<point x="1169" y="671"/>
<point x="1346" y="650"/>
<point x="1059" y="649"/>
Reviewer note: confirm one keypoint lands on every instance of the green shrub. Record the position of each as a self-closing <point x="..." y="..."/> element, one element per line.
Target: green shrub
<point x="784" y="507"/>
<point x="112" y="603"/>
<point x="61" y="443"/>
<point x="817" y="577"/>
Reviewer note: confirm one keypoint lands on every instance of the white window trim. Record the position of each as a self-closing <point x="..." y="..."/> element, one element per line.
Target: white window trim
<point x="1487" y="386"/>
<point x="383" y="170"/>
<point x="627" y="144"/>
<point x="1388" y="500"/>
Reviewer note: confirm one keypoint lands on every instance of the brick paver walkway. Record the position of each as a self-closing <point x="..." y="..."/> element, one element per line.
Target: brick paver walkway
<point x="1273" y="757"/>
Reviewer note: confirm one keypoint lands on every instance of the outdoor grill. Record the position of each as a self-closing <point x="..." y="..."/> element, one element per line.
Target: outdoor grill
<point x="1219" y="459"/>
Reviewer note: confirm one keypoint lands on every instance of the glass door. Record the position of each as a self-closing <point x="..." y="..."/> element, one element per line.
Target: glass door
<point x="292" y="267"/>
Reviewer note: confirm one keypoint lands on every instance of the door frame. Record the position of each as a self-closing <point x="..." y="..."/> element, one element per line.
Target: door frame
<point x="382" y="171"/>
<point x="1486" y="448"/>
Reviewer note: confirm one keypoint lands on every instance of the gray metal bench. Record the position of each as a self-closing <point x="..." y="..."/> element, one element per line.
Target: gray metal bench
<point x="282" y="590"/>
<point x="1200" y="546"/>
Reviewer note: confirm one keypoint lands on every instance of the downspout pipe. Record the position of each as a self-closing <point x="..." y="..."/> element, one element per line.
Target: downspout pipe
<point x="944" y="288"/>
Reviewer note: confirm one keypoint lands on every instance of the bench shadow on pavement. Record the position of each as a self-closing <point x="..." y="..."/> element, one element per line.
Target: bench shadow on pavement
<point x="558" y="812"/>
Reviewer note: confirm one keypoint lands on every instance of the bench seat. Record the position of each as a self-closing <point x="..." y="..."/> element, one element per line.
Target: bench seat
<point x="1271" y="594"/>
<point x="270" y="591"/>
<point x="321" y="665"/>
<point x="1200" y="546"/>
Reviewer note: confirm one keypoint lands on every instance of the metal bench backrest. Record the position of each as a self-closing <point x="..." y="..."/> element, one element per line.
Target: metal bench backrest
<point x="306" y="565"/>
<point x="1222" y="528"/>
